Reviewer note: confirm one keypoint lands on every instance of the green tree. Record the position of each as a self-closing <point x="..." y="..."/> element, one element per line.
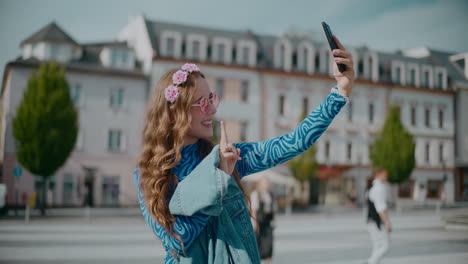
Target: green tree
<point x="394" y="149"/>
<point x="304" y="167"/>
<point x="46" y="124"/>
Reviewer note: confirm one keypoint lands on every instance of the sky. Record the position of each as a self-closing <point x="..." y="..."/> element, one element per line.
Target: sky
<point x="382" y="25"/>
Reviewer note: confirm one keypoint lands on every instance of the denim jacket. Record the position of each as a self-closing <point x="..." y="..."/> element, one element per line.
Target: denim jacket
<point x="197" y="227"/>
<point x="229" y="236"/>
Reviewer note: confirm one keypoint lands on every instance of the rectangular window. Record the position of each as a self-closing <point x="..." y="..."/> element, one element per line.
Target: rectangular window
<point x="245" y="91"/>
<point x="304" y="60"/>
<point x="371" y="113"/>
<point x="441" y="152"/>
<point x="281" y="105"/>
<point x="243" y="135"/>
<point x="114" y="140"/>
<point x="305" y="105"/>
<point x="427" y="157"/>
<point x="220" y="87"/>
<point x="398" y="76"/>
<point x="427" y="117"/>
<point x="434" y="188"/>
<point x="405" y="189"/>
<point x="426" y="79"/>
<point x="349" y="150"/>
<point x="441" y="118"/>
<point x="281" y="57"/>
<point x="116" y="98"/>
<point x="170" y="42"/>
<point x="413" y="78"/>
<point x="110" y="191"/>
<point x="360" y="68"/>
<point x="221" y="50"/>
<point x="196" y="50"/>
<point x="440" y="80"/>
<point x="245" y="56"/>
<point x="67" y="191"/>
<point x="55" y="52"/>
<point x="118" y="57"/>
<point x="327" y="150"/>
<point x="413" y="115"/>
<point x="317" y="62"/>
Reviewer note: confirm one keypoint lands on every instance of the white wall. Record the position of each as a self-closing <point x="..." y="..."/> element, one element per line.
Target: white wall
<point x="136" y="35"/>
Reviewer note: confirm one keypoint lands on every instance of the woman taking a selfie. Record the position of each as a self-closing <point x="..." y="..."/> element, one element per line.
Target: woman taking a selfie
<point x="189" y="188"/>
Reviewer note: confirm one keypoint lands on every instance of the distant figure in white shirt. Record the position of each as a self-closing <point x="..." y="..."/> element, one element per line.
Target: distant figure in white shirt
<point x="378" y="222"/>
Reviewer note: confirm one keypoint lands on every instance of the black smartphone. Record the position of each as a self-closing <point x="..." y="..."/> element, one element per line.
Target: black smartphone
<point x="331" y="41"/>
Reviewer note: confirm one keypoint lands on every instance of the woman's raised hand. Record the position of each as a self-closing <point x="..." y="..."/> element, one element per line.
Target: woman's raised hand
<point x="228" y="154"/>
<point x="344" y="79"/>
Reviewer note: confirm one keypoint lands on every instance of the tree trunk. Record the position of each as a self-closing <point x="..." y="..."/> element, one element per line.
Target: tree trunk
<point x="44" y="196"/>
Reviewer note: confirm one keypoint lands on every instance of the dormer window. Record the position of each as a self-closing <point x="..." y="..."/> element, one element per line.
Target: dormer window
<point x="196" y="50"/>
<point x="413" y="77"/>
<point x="54" y="51"/>
<point x="222" y="50"/>
<point x="306" y="54"/>
<point x="398" y="73"/>
<point x="413" y="74"/>
<point x="171" y="44"/>
<point x="441" y="78"/>
<point x="360" y="69"/>
<point x="371" y="66"/>
<point x="283" y="55"/>
<point x="196" y="47"/>
<point x="427" y="79"/>
<point x="119" y="57"/>
<point x="245" y="54"/>
<point x="317" y="61"/>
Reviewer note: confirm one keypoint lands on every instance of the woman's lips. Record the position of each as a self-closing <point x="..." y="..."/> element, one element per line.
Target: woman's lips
<point x="207" y="123"/>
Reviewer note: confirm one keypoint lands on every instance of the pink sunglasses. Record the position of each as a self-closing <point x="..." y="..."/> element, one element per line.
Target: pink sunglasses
<point x="204" y="103"/>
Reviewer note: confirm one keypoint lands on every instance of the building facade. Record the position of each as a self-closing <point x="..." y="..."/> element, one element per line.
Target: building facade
<point x="266" y="83"/>
<point x="109" y="92"/>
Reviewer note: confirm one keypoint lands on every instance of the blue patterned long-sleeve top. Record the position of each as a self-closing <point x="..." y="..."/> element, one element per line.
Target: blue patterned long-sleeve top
<point x="256" y="157"/>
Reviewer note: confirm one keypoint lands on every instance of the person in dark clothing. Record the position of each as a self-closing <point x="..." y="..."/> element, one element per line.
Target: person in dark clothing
<point x="263" y="210"/>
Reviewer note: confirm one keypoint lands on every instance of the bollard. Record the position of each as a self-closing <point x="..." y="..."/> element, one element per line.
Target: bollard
<point x="26" y="214"/>
<point x="88" y="214"/>
<point x="438" y="208"/>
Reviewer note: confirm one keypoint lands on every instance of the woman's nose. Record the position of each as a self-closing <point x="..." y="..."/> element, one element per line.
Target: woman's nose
<point x="212" y="109"/>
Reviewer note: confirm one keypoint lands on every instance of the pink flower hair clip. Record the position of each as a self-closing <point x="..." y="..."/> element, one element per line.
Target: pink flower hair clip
<point x="178" y="78"/>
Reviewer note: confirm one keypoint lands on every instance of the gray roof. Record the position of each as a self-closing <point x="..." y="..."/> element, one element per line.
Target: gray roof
<point x="82" y="66"/>
<point x="442" y="58"/>
<point x="91" y="51"/>
<point x="265" y="44"/>
<point x="50" y="33"/>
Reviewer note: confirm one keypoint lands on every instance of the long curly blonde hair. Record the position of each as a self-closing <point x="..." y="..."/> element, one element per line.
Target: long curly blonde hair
<point x="163" y="137"/>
